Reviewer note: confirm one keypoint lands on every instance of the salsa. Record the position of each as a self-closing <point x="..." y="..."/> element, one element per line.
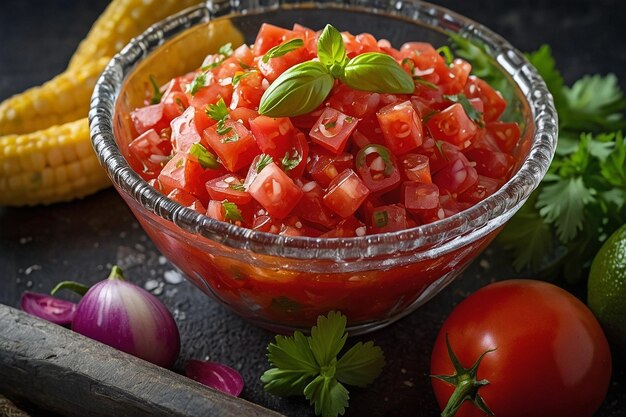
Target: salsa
<point x="361" y="162"/>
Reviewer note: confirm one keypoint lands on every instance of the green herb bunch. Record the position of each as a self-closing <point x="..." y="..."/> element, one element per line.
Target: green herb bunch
<point x="304" y="87"/>
<point x="309" y="366"/>
<point x="580" y="202"/>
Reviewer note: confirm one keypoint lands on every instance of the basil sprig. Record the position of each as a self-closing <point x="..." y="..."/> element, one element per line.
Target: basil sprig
<point x="282" y="49"/>
<point x="304" y="87"/>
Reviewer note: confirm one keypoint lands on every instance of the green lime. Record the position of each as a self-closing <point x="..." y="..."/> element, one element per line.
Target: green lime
<point x="607" y="289"/>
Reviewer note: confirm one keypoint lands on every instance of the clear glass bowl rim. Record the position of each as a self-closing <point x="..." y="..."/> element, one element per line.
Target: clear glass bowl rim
<point x="503" y="203"/>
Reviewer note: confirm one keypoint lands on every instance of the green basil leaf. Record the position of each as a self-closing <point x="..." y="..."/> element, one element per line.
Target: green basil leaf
<point x="378" y="73"/>
<point x="299" y="90"/>
<point x="330" y="48"/>
<point x="282" y="49"/>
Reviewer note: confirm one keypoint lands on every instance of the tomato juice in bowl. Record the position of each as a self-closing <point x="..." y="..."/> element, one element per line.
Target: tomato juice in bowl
<point x="284" y="282"/>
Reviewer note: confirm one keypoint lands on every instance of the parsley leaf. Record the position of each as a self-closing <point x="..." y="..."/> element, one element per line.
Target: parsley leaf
<point x="206" y="159"/>
<point x="231" y="212"/>
<point x="237" y="187"/>
<point x="217" y="111"/>
<point x="309" y="366"/>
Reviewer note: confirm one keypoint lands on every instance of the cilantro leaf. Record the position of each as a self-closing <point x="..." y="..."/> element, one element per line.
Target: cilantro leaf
<point x="360" y="365"/>
<point x="217" y="111"/>
<point x="290" y="163"/>
<point x="226" y="50"/>
<point x="527" y="236"/>
<point x="613" y="167"/>
<point x="562" y="203"/>
<point x="329" y="397"/>
<point x="231" y="212"/>
<point x="328" y="337"/>
<point x="156" y="90"/>
<point x="308" y="365"/>
<point x="543" y="61"/>
<point x="199" y="81"/>
<point x="264" y="160"/>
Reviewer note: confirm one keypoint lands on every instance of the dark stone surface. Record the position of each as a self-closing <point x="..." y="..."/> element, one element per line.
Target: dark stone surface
<point x="80" y="240"/>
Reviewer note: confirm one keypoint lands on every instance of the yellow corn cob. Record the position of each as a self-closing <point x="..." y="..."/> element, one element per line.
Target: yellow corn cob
<point x="63" y="99"/>
<point x="56" y="164"/>
<point x="119" y="23"/>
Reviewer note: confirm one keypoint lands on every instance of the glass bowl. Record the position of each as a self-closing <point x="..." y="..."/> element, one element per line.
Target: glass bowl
<point x="284" y="283"/>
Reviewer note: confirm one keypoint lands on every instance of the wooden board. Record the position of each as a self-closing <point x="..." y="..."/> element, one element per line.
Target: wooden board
<point x="65" y="372"/>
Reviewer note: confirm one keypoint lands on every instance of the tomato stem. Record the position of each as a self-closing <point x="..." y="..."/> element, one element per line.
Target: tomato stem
<point x="465" y="383"/>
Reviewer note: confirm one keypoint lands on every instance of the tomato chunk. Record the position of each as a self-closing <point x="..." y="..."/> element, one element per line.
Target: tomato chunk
<point x="186" y="199"/>
<point x="416" y="167"/>
<point x="149" y="117"/>
<point x="401" y="127"/>
<point x="228" y="187"/>
<point x="345" y="193"/>
<point x="332" y="130"/>
<point x="388" y="219"/>
<point x="311" y="207"/>
<point x="186" y="173"/>
<point x="188" y="127"/>
<point x="235" y="146"/>
<point x="275" y="191"/>
<point x="148" y="153"/>
<point x="452" y="125"/>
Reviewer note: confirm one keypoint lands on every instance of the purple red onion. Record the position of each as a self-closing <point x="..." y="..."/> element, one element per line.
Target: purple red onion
<point x="48" y="308"/>
<point x="215" y="375"/>
<point x="127" y="317"/>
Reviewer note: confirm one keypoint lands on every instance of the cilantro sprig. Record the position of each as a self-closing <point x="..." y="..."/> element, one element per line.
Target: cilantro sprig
<point x="309" y="366"/>
<point x="581" y="200"/>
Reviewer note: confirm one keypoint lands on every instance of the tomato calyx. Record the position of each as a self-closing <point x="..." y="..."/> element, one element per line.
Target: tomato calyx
<point x="466" y="384"/>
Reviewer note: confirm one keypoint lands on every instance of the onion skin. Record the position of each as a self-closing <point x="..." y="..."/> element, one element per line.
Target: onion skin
<point x="127" y="317"/>
<point x="48" y="308"/>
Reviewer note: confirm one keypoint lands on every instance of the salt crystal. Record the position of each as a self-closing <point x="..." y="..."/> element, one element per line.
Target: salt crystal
<point x="173" y="277"/>
<point x="32" y="268"/>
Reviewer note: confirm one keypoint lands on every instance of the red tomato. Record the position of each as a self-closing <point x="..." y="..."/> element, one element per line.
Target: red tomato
<point x="452" y="125"/>
<point x="505" y="134"/>
<point x="248" y="91"/>
<point x="350" y="227"/>
<point x="368" y="132"/>
<point x="243" y="115"/>
<point x="273" y="135"/>
<point x="186" y="199"/>
<point x="378" y="169"/>
<point x="188" y="127"/>
<point x="457" y="176"/>
<point x="323" y="167"/>
<point x="483" y="188"/>
<point x="299" y="149"/>
<point x="332" y="130"/>
<point x="148" y="153"/>
<point x="210" y="95"/>
<point x="355" y="103"/>
<point x="277" y="65"/>
<point x="275" y="191"/>
<point x="228" y="187"/>
<point x="235" y="148"/>
<point x="416" y="167"/>
<point x="149" y="117"/>
<point x="345" y="193"/>
<point x="387" y="219"/>
<point x="459" y="73"/>
<point x="185" y="173"/>
<point x="268" y="37"/>
<point x="493" y="102"/>
<point x="311" y="207"/>
<point x="546" y="353"/>
<point x="491" y="164"/>
<point x="401" y="127"/>
<point x="419" y="196"/>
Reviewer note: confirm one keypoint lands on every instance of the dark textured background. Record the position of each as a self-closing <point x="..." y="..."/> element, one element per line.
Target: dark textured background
<point x="80" y="240"/>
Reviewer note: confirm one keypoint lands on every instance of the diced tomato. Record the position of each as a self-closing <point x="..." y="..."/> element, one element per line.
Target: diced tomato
<point x="273" y="135"/>
<point x="299" y="149"/>
<point x="416" y="167"/>
<point x="483" y="188"/>
<point x="244" y="55"/>
<point x="378" y="169"/>
<point x="401" y="127"/>
<point x="211" y="95"/>
<point x="367" y="43"/>
<point x="268" y="37"/>
<point x="236" y="148"/>
<point x="345" y="193"/>
<point x="227" y="70"/>
<point x="148" y="153"/>
<point x="186" y="199"/>
<point x="293" y="226"/>
<point x="248" y="91"/>
<point x="349" y="227"/>
<point x="457" y="176"/>
<point x="188" y="127"/>
<point x="368" y="132"/>
<point x="506" y="134"/>
<point x="459" y="73"/>
<point x="491" y="164"/>
<point x="185" y="173"/>
<point x="154" y="183"/>
<point x="388" y="219"/>
<point x="307" y="121"/>
<point x="492" y="99"/>
<point x="355" y="103"/>
<point x="228" y="187"/>
<point x="333" y="129"/>
<point x="243" y="115"/>
<point x="452" y="125"/>
<point x="275" y="191"/>
<point x="323" y="167"/>
<point x="277" y="65"/>
<point x="439" y="153"/>
<point x="149" y="117"/>
<point x="312" y="209"/>
<point x="423" y="201"/>
<point x="429" y="65"/>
